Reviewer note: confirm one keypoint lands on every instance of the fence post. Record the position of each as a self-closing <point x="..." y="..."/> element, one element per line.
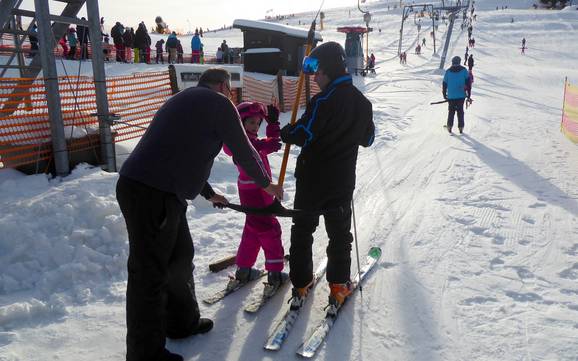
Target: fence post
<point x="47" y="43"/>
<point x="280" y="90"/>
<point x="106" y="142"/>
<point x="564" y="103"/>
<point x="173" y="78"/>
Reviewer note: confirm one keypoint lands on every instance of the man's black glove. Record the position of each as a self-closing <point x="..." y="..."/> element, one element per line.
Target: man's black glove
<point x="272" y="114"/>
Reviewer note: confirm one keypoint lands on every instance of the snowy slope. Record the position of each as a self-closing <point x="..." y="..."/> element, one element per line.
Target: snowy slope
<point x="479" y="231"/>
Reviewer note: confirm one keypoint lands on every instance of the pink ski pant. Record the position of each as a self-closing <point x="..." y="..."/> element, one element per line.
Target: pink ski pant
<point x="260" y="232"/>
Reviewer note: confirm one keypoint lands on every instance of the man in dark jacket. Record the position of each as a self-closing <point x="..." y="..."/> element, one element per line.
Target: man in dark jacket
<point x="117" y="37"/>
<point x="336" y="122"/>
<point x="456" y="86"/>
<point x="142" y="42"/>
<point x="171" y="164"/>
<point x="128" y="39"/>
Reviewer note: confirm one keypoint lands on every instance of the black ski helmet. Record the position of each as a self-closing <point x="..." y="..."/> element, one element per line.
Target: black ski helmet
<point x="331" y="58"/>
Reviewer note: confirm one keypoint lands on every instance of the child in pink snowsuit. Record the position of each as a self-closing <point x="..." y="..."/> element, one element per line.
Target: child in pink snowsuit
<point x="260" y="231"/>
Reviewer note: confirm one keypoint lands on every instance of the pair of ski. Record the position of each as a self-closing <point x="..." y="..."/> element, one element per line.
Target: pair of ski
<point x="285" y="325"/>
<point x="257" y="301"/>
<point x="320" y="332"/>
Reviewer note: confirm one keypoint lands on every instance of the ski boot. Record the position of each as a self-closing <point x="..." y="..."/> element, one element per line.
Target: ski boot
<point x="243" y="275"/>
<point x="338" y="292"/>
<point x="275" y="279"/>
<point x="461" y="130"/>
<point x="298" y="295"/>
<point x="449" y="130"/>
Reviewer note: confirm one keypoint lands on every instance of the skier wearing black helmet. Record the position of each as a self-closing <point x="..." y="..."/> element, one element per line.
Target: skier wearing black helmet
<point x="336" y="122"/>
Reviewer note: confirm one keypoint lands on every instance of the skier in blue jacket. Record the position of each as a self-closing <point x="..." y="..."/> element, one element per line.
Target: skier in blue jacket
<point x="456" y="87"/>
<point x="196" y="47"/>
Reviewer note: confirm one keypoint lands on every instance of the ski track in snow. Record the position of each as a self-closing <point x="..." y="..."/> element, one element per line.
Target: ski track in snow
<point x="478" y="231"/>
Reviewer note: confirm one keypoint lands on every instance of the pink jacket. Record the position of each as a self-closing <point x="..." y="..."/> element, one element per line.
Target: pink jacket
<point x="265" y="146"/>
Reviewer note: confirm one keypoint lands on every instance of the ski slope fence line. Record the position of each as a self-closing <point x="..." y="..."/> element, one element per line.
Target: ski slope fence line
<point x="569" y="124"/>
<point x="24" y="120"/>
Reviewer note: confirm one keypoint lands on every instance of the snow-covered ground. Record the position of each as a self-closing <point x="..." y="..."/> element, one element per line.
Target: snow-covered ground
<point x="479" y="231"/>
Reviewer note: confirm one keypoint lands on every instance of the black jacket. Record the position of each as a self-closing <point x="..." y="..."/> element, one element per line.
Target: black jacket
<point x="116" y="32"/>
<point x="140" y="38"/>
<point x="128" y="38"/>
<point x="176" y="152"/>
<point x="336" y="122"/>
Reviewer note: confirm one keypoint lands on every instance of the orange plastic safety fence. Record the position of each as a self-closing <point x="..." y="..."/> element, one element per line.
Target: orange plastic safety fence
<point x="266" y="90"/>
<point x="24" y="121"/>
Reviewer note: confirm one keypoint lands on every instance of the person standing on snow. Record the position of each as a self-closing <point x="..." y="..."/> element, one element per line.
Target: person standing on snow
<point x="63" y="42"/>
<point x="196" y="47"/>
<point x="466" y="56"/>
<point x="225" y="50"/>
<point x="471" y="62"/>
<point x="128" y="38"/>
<point x="336" y="122"/>
<point x="117" y="32"/>
<point x="72" y="41"/>
<point x="159" y="48"/>
<point x="260" y="231"/>
<point x="172" y="47"/>
<point x="180" y="52"/>
<point x="523" y="45"/>
<point x="170" y="164"/>
<point x="83" y="39"/>
<point x="456" y="87"/>
<point x="140" y="44"/>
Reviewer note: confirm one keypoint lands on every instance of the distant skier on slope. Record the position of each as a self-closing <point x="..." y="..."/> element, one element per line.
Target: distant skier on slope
<point x="471" y="62"/>
<point x="523" y="45"/>
<point x="260" y="231"/>
<point x="336" y="122"/>
<point x="456" y="87"/>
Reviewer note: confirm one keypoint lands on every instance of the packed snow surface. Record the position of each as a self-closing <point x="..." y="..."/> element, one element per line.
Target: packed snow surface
<point x="479" y="232"/>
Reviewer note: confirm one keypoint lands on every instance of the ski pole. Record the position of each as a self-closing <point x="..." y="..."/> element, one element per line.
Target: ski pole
<point x="356" y="245"/>
<point x="440" y="102"/>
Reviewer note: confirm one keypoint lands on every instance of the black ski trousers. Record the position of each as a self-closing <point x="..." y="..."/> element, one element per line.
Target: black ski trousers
<point x="160" y="295"/>
<point x="456" y="105"/>
<point x="337" y="226"/>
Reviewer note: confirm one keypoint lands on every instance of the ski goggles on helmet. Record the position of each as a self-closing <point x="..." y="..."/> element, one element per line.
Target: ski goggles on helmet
<point x="310" y="65"/>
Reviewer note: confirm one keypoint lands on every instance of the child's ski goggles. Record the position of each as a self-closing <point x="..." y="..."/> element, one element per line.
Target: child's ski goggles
<point x="310" y="65"/>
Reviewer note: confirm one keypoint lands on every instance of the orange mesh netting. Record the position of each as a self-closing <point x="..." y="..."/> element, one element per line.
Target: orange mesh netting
<point x="24" y="121"/>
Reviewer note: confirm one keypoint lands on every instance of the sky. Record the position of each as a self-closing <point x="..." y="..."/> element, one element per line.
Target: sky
<point x="181" y="15"/>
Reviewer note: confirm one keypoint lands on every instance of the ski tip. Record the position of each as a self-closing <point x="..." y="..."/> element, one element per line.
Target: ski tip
<point x="305" y="353"/>
<point x="272" y="347"/>
<point x="374" y="252"/>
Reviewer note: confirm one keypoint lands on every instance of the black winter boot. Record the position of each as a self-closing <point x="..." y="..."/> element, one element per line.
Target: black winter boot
<point x="169" y="356"/>
<point x="205" y="325"/>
